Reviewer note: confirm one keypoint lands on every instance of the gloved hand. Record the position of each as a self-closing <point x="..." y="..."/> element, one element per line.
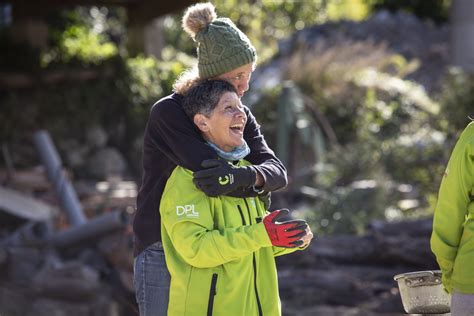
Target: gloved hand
<point x="284" y="234"/>
<point x="221" y="177"/>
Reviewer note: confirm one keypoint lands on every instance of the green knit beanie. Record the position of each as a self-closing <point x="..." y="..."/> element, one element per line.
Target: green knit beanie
<point x="222" y="47"/>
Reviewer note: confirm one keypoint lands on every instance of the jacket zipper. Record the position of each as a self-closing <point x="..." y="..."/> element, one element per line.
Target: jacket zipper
<point x="212" y="293"/>
<point x="241" y="215"/>
<point x="260" y="312"/>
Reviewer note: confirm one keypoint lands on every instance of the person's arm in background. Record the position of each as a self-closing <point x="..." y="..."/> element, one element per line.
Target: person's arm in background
<point x="453" y="200"/>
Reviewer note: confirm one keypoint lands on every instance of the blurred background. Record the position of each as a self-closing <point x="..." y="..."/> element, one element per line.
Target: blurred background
<point x="363" y="101"/>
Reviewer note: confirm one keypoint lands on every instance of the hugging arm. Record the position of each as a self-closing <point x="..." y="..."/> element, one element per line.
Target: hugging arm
<point x="173" y="133"/>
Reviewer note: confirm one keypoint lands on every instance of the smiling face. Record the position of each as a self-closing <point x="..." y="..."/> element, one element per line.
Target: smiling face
<point x="239" y="78"/>
<point x="224" y="126"/>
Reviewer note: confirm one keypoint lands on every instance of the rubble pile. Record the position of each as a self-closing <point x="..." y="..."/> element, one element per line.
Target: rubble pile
<point x="62" y="258"/>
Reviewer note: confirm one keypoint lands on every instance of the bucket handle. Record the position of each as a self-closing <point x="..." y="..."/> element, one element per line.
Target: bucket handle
<point x="422" y="281"/>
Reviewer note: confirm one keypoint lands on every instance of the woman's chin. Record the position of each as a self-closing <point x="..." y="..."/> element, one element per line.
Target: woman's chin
<point x="239" y="143"/>
<point x="232" y="145"/>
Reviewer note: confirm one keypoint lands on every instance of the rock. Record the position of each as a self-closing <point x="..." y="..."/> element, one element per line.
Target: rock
<point x="106" y="162"/>
<point x="71" y="281"/>
<point x="96" y="137"/>
<point x="74" y="152"/>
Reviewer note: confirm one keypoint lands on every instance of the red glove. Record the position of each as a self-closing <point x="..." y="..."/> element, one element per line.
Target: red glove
<point x="284" y="234"/>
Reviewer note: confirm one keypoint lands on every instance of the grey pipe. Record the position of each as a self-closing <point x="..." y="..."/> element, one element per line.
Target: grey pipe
<point x="95" y="228"/>
<point x="30" y="234"/>
<point x="52" y="162"/>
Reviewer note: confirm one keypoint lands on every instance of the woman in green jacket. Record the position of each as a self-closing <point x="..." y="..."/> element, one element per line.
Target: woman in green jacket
<point x="220" y="250"/>
<point x="452" y="240"/>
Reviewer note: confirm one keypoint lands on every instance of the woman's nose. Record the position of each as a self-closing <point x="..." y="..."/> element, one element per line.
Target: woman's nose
<point x="240" y="112"/>
<point x="244" y="85"/>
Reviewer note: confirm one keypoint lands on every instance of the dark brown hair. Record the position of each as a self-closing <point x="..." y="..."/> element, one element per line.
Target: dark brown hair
<point x="203" y="97"/>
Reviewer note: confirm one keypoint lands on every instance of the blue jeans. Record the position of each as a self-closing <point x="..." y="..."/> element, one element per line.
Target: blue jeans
<point x="462" y="304"/>
<point x="152" y="281"/>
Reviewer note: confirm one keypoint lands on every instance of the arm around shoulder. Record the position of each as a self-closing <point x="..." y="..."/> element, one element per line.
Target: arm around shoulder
<point x="173" y="133"/>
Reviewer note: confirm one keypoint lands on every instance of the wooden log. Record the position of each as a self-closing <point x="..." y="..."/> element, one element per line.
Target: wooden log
<point x="413" y="228"/>
<point x="381" y="246"/>
<point x="347" y="285"/>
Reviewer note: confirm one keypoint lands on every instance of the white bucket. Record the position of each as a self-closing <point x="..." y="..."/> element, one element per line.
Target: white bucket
<point x="423" y="293"/>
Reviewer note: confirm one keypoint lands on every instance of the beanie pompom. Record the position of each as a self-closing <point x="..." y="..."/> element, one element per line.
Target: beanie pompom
<point x="197" y="17"/>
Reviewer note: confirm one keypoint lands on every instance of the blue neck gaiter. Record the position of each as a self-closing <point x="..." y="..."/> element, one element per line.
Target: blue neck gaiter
<point x="236" y="154"/>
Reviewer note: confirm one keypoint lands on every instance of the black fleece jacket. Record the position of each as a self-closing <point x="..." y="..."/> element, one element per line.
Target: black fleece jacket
<point x="171" y="139"/>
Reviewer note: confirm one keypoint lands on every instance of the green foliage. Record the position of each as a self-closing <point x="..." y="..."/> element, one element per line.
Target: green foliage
<point x="171" y="65"/>
<point x="86" y="36"/>
<point x="347" y="9"/>
<point x="457" y="102"/>
<point x="265" y="110"/>
<point x="387" y="132"/>
<point x="86" y="45"/>
<point x="268" y="21"/>
<point x="117" y="97"/>
<point x="98" y="86"/>
<point x="346" y="210"/>
<point x="390" y="133"/>
<point x="331" y="80"/>
<point x="147" y="80"/>
<point x="144" y="79"/>
<point x="81" y="45"/>
<point x="150" y="78"/>
<point x="394" y="124"/>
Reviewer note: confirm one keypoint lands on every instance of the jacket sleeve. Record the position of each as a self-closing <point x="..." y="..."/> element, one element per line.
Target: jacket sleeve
<point x="280" y="251"/>
<point x="193" y="234"/>
<point x="173" y="133"/>
<point x="262" y="157"/>
<point x="453" y="201"/>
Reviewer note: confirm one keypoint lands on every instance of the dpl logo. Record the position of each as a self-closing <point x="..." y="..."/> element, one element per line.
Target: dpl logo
<point x="186" y="210"/>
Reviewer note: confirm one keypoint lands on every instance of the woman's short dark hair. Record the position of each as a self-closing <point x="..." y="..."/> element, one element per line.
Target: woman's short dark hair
<point x="203" y="97"/>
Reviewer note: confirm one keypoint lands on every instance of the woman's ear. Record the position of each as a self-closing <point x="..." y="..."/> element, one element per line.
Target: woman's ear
<point x="201" y="122"/>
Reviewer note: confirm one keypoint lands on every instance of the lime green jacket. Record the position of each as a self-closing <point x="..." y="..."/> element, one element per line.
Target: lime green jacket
<point x="218" y="253"/>
<point x="452" y="239"/>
